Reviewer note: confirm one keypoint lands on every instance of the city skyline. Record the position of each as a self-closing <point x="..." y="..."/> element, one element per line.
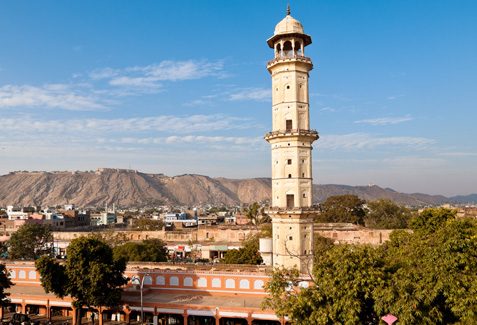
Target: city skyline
<point x="180" y="88"/>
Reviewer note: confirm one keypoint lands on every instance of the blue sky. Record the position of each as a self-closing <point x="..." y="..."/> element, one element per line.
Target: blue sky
<point x="181" y="87"/>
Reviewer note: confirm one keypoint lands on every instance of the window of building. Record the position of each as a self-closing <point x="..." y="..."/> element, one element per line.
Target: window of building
<point x="216" y="283"/>
<point x="202" y="282"/>
<point x="230" y="284"/>
<point x="244" y="284"/>
<point x="174" y="281"/>
<point x="289" y="175"/>
<point x="258" y="284"/>
<point x="289" y="124"/>
<point x="289" y="161"/>
<point x="188" y="282"/>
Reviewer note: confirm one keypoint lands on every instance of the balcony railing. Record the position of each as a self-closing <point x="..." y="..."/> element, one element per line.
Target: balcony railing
<point x="312" y="208"/>
<point x="289" y="58"/>
<point x="292" y="132"/>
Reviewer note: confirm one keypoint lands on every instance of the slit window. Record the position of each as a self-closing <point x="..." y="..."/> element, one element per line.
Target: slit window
<point x="289" y="161"/>
<point x="289" y="124"/>
<point x="289" y="175"/>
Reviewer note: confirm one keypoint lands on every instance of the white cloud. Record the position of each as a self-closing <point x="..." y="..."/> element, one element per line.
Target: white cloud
<point x="104" y="73"/>
<point x="385" y="120"/>
<point x="165" y="123"/>
<point x="355" y="141"/>
<point x="181" y="70"/>
<point x="49" y="96"/>
<point x="259" y="94"/>
<point x="459" y="154"/>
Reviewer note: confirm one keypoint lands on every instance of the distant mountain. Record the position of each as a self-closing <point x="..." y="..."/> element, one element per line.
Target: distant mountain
<point x="132" y="188"/>
<point x="465" y="198"/>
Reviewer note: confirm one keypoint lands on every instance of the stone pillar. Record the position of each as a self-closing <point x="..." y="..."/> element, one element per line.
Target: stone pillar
<point x="127" y="314"/>
<point x="48" y="311"/>
<point x="75" y="315"/>
<point x="100" y="313"/>
<point x="249" y="319"/>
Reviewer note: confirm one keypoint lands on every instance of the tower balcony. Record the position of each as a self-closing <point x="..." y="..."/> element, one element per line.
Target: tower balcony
<point x="292" y="57"/>
<point x="292" y="132"/>
<point x="293" y="210"/>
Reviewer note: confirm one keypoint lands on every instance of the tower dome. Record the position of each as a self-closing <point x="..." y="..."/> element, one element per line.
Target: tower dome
<point x="289" y="26"/>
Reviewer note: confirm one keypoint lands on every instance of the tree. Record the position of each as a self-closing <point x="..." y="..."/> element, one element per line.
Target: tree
<point x="247" y="254"/>
<point x="111" y="237"/>
<point x="30" y="240"/>
<point x="146" y="224"/>
<point x="150" y="250"/>
<point x="424" y="277"/>
<point x="431" y="276"/>
<point x="91" y="276"/>
<point x="343" y="208"/>
<point x="254" y="213"/>
<point x="3" y="212"/>
<point x="345" y="278"/>
<point x="385" y="214"/>
<point x="5" y="283"/>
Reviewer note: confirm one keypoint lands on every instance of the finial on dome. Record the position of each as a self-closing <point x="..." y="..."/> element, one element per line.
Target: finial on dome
<point x="288" y="10"/>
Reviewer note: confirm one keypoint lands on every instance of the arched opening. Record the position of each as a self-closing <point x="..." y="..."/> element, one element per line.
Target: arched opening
<point x="278" y="50"/>
<point x="287" y="48"/>
<point x="298" y="49"/>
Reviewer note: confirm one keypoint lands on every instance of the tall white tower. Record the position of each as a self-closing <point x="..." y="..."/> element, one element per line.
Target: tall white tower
<point x="292" y="209"/>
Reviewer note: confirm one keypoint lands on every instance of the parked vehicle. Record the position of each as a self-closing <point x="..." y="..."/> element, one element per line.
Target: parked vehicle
<point x="18" y="319"/>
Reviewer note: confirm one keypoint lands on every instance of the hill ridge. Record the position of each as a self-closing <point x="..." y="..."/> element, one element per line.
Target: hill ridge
<point x="132" y="188"/>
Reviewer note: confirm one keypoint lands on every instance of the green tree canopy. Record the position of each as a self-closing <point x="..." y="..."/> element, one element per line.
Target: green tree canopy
<point x="253" y="212"/>
<point x="91" y="276"/>
<point x="5" y="283"/>
<point x="150" y="250"/>
<point x="385" y="214"/>
<point x="343" y="208"/>
<point x="247" y="254"/>
<point x="146" y="224"/>
<point x="30" y="240"/>
<point x="425" y="277"/>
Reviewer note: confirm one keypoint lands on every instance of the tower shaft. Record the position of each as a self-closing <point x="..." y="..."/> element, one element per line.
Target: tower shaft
<point x="291" y="141"/>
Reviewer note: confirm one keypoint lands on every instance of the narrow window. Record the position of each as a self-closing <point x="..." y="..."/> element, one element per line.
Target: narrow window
<point x="288" y="87"/>
<point x="289" y="161"/>
<point x="304" y="195"/>
<point x="289" y="175"/>
<point x="303" y="175"/>
<point x="289" y="125"/>
<point x="290" y="201"/>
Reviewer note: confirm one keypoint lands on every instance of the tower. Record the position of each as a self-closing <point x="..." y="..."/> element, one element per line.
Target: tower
<point x="292" y="210"/>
